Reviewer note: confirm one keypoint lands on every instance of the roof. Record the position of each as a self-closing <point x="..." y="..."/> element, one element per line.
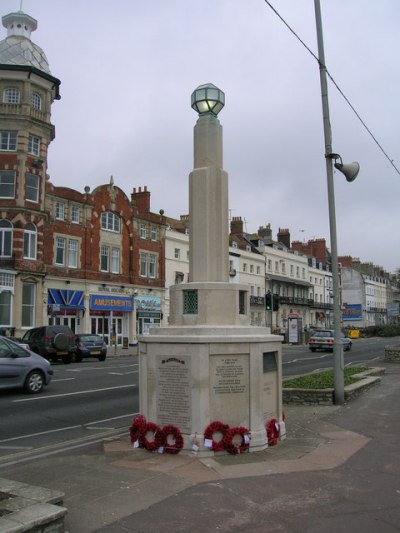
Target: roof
<point x="17" y="48"/>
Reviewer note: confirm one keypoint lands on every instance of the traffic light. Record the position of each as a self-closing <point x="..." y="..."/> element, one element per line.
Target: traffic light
<point x="275" y="303"/>
<point x="268" y="301"/>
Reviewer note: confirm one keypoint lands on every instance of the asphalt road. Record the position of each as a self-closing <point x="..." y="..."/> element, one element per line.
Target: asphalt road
<point x="84" y="402"/>
<point x="89" y="401"/>
<point x="298" y="360"/>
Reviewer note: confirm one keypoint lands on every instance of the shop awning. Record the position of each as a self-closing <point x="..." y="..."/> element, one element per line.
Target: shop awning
<point x="66" y="298"/>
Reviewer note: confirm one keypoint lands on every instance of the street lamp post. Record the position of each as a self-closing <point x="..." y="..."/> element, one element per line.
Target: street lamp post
<point x="350" y="171"/>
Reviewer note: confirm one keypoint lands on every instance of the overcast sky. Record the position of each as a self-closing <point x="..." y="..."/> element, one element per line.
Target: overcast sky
<point x="128" y="68"/>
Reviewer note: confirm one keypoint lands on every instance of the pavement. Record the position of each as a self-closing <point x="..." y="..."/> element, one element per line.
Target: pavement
<point x="337" y="471"/>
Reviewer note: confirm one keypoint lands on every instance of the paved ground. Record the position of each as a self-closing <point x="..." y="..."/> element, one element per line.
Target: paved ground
<point x="337" y="471"/>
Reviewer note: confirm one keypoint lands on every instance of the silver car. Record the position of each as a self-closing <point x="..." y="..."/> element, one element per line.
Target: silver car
<point x="20" y="368"/>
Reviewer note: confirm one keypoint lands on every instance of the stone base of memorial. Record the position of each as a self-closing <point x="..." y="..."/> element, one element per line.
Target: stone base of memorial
<point x="191" y="376"/>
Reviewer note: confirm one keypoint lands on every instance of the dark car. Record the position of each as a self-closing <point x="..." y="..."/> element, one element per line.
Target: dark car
<point x="90" y="345"/>
<point x="323" y="339"/>
<point x="52" y="342"/>
<point x="20" y="368"/>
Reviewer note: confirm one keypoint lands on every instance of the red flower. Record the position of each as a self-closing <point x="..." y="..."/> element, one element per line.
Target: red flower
<point x="273" y="431"/>
<point x="211" y="429"/>
<point x="138" y="424"/>
<point x="175" y="433"/>
<point x="233" y="447"/>
<point x="151" y="437"/>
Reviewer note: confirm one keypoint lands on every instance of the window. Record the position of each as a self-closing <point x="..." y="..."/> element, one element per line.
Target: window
<point x="142" y="231"/>
<point x="269" y="264"/>
<point x="297" y="272"/>
<point x="110" y="222"/>
<point x="104" y="258"/>
<point x="244" y="267"/>
<point x="60" y="251"/>
<point x="303" y="273"/>
<point x="30" y="240"/>
<point x="251" y="269"/>
<point x="7" y="183"/>
<point x="11" y="95"/>
<point x="283" y="265"/>
<point x="60" y="210"/>
<point x="75" y="214"/>
<point x="32" y="187"/>
<point x="8" y="140"/>
<point x="291" y="270"/>
<point x="115" y="260"/>
<point x="276" y="266"/>
<point x="5" y="238"/>
<point x="177" y="253"/>
<point x="36" y="101"/>
<point x="5" y="308"/>
<point x="73" y="249"/>
<point x="153" y="233"/>
<point x="148" y="265"/>
<point x="28" y="305"/>
<point x="33" y="145"/>
<point x="258" y="270"/>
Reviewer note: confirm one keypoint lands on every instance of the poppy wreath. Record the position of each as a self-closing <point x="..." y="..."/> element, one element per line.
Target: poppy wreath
<point x="273" y="431"/>
<point x="138" y="425"/>
<point x="232" y="447"/>
<point x="214" y="427"/>
<point x="156" y="441"/>
<point x="175" y="433"/>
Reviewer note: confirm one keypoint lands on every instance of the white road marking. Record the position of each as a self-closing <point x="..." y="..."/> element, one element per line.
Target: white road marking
<point x="72" y="393"/>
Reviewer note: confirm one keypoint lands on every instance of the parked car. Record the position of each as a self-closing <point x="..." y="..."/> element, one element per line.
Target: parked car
<point x="21" y="368"/>
<point x="52" y="342"/>
<point x="90" y="345"/>
<point x="18" y="340"/>
<point x="323" y="339"/>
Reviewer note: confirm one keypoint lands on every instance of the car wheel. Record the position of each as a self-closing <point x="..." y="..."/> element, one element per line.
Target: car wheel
<point x="78" y="358"/>
<point x="313" y="349"/>
<point x="61" y="341"/>
<point x="34" y="383"/>
<point x="102" y="358"/>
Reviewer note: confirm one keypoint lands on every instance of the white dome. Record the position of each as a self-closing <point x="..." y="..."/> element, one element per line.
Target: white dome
<point x="17" y="48"/>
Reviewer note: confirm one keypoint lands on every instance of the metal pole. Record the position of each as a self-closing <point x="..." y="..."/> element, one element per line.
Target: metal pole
<point x="338" y="345"/>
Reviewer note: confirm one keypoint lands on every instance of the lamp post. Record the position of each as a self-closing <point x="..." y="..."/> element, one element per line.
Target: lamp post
<point x="350" y="171"/>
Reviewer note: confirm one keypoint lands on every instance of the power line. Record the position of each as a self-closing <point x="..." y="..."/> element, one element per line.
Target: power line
<point x="335" y="84"/>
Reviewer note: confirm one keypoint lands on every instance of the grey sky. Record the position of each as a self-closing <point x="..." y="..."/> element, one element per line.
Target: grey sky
<point x="128" y="68"/>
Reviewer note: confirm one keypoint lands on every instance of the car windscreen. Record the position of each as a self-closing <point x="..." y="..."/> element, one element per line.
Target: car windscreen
<point x="90" y="338"/>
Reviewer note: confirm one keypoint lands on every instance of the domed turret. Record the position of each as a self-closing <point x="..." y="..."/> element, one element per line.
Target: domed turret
<point x="17" y="48"/>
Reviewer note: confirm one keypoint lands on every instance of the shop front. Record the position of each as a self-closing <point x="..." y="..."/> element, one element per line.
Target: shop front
<point x="109" y="317"/>
<point x="65" y="307"/>
<point x="148" y="313"/>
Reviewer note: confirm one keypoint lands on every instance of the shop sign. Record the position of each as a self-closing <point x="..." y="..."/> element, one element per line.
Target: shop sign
<point x="148" y="303"/>
<point x="104" y="302"/>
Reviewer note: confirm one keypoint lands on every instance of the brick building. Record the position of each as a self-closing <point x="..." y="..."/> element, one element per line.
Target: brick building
<point x="93" y="260"/>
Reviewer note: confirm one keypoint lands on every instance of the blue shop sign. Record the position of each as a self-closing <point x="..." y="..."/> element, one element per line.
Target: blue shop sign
<point x="101" y="302"/>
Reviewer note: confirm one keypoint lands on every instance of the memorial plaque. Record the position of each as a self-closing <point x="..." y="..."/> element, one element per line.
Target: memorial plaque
<point x="174" y="392"/>
<point x="229" y="388"/>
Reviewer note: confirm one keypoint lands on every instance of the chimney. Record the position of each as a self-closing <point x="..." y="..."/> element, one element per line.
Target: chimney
<point x="237" y="226"/>
<point x="265" y="232"/>
<point x="284" y="237"/>
<point x="141" y="199"/>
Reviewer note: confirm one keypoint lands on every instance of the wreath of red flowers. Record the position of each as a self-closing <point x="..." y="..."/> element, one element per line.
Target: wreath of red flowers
<point x="215" y="427"/>
<point x="156" y="441"/>
<point x="174" y="431"/>
<point x="232" y="447"/>
<point x="138" y="425"/>
<point x="273" y="432"/>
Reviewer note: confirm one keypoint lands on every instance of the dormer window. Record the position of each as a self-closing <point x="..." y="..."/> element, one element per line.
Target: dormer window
<point x="36" y="101"/>
<point x="11" y="95"/>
